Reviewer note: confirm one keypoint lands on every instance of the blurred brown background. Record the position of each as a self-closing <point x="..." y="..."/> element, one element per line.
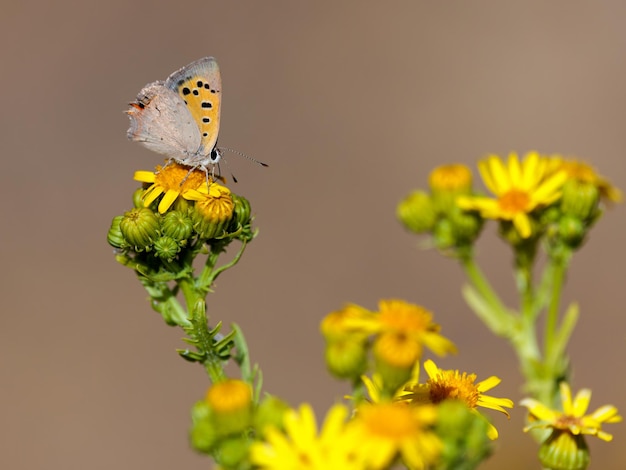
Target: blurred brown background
<point x="351" y="104"/>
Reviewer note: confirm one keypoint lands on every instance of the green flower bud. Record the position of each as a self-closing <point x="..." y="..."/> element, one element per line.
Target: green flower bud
<point x="395" y="357"/>
<point x="346" y="358"/>
<point x="207" y="228"/>
<point x="417" y="213"/>
<point x="138" y="198"/>
<point x="465" y="226"/>
<point x="572" y="231"/>
<point x="580" y="199"/>
<point x="241" y="211"/>
<point x="166" y="248"/>
<point x="443" y="234"/>
<point x="115" y="237"/>
<point x="212" y="212"/>
<point x="511" y="235"/>
<point x="177" y="225"/>
<point x="182" y="205"/>
<point x="270" y="412"/>
<point x="464" y="435"/>
<point x="550" y="216"/>
<point x="231" y="404"/>
<point x="564" y="451"/>
<point x="202" y="435"/>
<point x="140" y="227"/>
<point x="234" y="451"/>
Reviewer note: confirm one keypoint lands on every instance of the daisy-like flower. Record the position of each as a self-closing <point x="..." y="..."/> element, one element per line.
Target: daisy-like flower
<point x="572" y="418"/>
<point x="447" y="183"/>
<point x="565" y="447"/>
<point x="300" y="446"/>
<point x="584" y="173"/>
<point x="454" y="178"/>
<point x="389" y="430"/>
<point x="344" y="322"/>
<point x="452" y="384"/>
<point x="213" y="209"/>
<point x="519" y="187"/>
<point x="414" y="322"/>
<point x="409" y="322"/>
<point x="171" y="180"/>
<point x="231" y="402"/>
<point x="346" y="346"/>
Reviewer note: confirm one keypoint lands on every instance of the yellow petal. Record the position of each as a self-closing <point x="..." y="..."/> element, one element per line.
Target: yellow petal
<point x="168" y="199"/>
<point x="144" y="176"/>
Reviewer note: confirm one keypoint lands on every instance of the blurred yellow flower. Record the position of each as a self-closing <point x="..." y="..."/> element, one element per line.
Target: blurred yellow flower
<point x="413" y="322"/>
<point x="519" y="187"/>
<point x="344" y="322"/>
<point x="388" y="430"/>
<point x="585" y="173"/>
<point x="454" y="177"/>
<point x="300" y="446"/>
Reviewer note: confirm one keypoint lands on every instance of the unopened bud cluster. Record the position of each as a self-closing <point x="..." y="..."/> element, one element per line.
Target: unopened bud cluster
<point x="220" y="215"/>
<point x="436" y="212"/>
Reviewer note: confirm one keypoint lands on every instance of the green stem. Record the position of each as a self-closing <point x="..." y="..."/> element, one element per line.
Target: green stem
<point x="214" y="367"/>
<point x="205" y="279"/>
<point x="209" y="274"/>
<point x="558" y="267"/>
<point x="483" y="287"/>
<point x="195" y="290"/>
<point x="191" y="295"/>
<point x="526" y="291"/>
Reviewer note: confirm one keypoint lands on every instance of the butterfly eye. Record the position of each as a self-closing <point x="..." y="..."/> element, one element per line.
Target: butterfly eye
<point x="215" y="155"/>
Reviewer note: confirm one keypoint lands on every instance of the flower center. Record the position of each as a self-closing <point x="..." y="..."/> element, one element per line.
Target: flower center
<point x="391" y="421"/>
<point x="229" y="395"/>
<point x="451" y="178"/>
<point x="567" y="421"/>
<point x="398" y="349"/>
<point x="514" y="201"/>
<point x="580" y="171"/>
<point x="400" y="316"/>
<point x="172" y="176"/>
<point x="451" y="384"/>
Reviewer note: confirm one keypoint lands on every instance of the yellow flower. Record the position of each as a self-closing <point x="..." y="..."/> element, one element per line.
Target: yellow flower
<point x="520" y="188"/>
<point x="414" y="322"/>
<point x="581" y="171"/>
<point x="231" y="402"/>
<point x="229" y="396"/>
<point x="213" y="209"/>
<point x="388" y="430"/>
<point x="455" y="178"/>
<point x="572" y="418"/>
<point x="172" y="180"/>
<point x="451" y="384"/>
<point x="339" y="324"/>
<point x="300" y="446"/>
<point x="214" y="202"/>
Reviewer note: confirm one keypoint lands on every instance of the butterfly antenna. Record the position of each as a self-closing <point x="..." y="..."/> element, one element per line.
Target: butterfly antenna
<point x="241" y="154"/>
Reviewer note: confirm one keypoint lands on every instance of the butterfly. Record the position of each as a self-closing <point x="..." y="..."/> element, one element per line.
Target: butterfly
<point x="180" y="117"/>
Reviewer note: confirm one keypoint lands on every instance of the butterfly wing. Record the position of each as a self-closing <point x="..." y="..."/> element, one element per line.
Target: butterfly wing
<point x="199" y="85"/>
<point x="161" y="121"/>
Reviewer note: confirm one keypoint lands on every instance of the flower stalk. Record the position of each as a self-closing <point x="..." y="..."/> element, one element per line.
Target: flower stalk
<point x="544" y="204"/>
<point x="200" y="222"/>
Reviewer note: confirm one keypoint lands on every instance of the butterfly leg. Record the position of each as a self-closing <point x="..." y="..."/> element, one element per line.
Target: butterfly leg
<point x="167" y="163"/>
